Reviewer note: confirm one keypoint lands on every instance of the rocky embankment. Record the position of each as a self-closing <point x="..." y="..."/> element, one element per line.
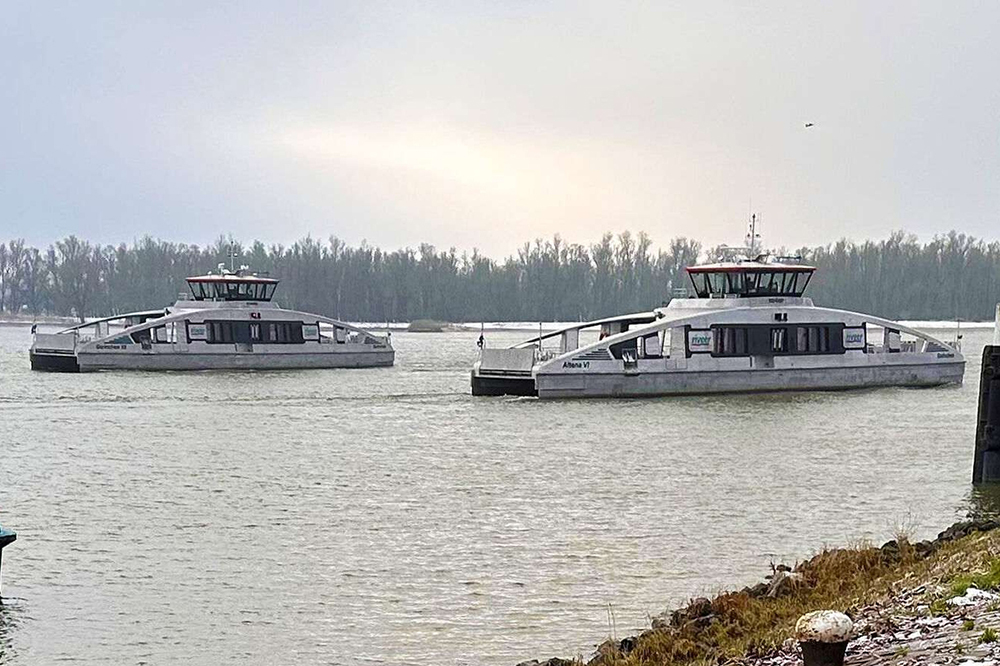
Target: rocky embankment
<point x="930" y="602"/>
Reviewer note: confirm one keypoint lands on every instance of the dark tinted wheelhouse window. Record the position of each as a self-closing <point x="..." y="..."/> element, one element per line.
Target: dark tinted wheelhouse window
<point x="717" y="283"/>
<point x="700" y="282"/>
<point x="750" y="282"/>
<point x="232" y="290"/>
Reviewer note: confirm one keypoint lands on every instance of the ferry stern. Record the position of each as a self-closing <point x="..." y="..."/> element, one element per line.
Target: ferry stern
<point x="51" y="352"/>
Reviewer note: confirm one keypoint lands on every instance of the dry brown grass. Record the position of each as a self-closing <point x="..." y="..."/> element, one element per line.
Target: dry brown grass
<point x="744" y="625"/>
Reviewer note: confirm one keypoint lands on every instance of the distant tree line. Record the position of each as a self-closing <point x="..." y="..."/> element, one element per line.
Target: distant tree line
<point x="951" y="276"/>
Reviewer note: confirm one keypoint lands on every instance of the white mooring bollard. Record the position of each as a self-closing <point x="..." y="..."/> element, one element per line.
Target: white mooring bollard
<point x="823" y="637"/>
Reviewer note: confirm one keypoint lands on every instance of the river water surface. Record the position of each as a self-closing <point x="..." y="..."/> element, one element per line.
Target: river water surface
<point x="386" y="516"/>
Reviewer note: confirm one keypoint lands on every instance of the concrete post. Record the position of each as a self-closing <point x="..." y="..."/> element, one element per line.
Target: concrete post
<point x="986" y="461"/>
<point x="6" y="538"/>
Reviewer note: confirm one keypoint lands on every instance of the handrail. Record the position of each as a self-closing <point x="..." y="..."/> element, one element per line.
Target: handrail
<point x="94" y="322"/>
<point x="641" y="317"/>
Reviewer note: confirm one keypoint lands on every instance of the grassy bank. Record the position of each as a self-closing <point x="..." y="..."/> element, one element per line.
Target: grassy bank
<point x="757" y="622"/>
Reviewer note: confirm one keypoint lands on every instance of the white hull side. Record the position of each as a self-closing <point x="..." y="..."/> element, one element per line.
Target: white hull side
<point x="693" y="382"/>
<point x="234" y="361"/>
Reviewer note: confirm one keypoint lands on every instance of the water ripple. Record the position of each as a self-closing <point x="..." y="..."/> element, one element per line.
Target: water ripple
<point x="387" y="517"/>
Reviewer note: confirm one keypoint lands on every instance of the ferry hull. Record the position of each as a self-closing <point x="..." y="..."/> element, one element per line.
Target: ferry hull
<point x="52" y="362"/>
<point x="236" y="361"/>
<point x="692" y="382"/>
<point x="494" y="385"/>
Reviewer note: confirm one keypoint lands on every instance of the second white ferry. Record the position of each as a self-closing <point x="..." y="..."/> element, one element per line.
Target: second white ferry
<point x="228" y="322"/>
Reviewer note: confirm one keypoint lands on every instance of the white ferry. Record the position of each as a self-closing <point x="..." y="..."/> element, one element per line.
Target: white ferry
<point x="747" y="327"/>
<point x="227" y="322"/>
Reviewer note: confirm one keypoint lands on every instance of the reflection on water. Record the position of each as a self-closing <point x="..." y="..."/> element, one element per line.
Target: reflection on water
<point x="983" y="502"/>
<point x="386" y="516"/>
<point x="10" y="619"/>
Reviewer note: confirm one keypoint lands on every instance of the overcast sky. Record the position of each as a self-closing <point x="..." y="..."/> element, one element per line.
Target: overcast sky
<point x="486" y="124"/>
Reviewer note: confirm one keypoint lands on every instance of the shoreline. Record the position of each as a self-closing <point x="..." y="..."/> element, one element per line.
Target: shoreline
<point x="912" y="603"/>
<point x="489" y="326"/>
<point x="44" y="320"/>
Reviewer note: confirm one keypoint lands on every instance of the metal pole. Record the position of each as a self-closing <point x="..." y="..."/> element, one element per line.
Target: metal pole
<point x="996" y="327"/>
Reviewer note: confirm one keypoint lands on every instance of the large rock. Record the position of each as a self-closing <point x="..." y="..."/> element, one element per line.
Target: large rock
<point x="925" y="548"/>
<point x="891" y="551"/>
<point x="965" y="528"/>
<point x="784" y="582"/>
<point x="697" y="609"/>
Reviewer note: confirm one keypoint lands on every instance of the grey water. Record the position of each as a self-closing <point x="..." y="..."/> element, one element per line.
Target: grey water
<point x="386" y="516"/>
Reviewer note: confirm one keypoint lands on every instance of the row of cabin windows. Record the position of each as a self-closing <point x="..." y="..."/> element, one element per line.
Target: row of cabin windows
<point x="276" y="332"/>
<point x="750" y="283"/>
<point x="747" y="340"/>
<point x="224" y="332"/>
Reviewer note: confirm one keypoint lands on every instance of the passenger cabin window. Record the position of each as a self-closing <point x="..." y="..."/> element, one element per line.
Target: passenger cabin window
<point x="268" y="332"/>
<point x="767" y="340"/>
<point x="162" y="334"/>
<point x="730" y="341"/>
<point x="779" y="341"/>
<point x="651" y="346"/>
<point x="812" y="339"/>
<point x="625" y="348"/>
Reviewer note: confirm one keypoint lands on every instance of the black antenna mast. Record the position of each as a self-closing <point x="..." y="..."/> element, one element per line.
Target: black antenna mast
<point x="752" y="236"/>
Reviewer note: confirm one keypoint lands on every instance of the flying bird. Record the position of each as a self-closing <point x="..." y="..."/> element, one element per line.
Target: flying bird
<point x="809" y="124"/>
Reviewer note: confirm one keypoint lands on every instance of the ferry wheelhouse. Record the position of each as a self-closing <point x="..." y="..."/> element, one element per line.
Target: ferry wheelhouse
<point x="746" y="327"/>
<point x="226" y="321"/>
